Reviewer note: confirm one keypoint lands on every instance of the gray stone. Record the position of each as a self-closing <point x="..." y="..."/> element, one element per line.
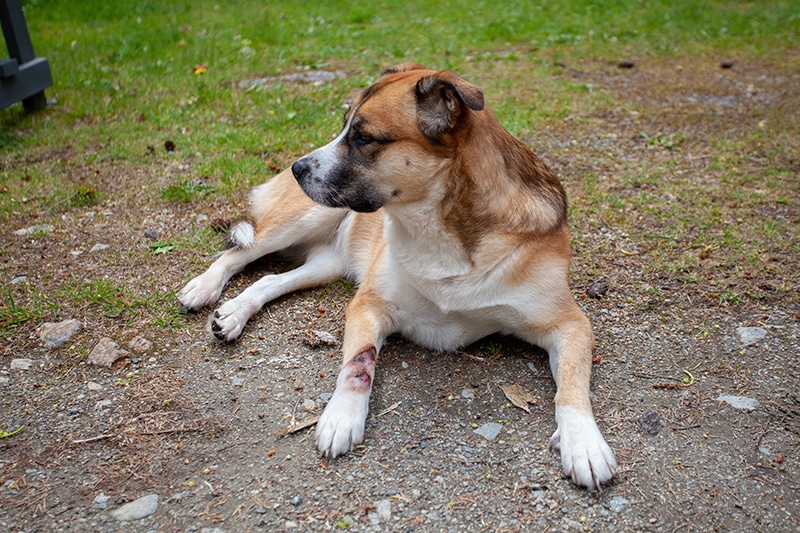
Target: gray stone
<point x="99" y="247"/>
<point x="19" y="279"/>
<point x="384" y="510"/>
<point x="137" y="509"/>
<point x="618" y="504"/>
<point x="106" y="353"/>
<point x="468" y="393"/>
<point x="738" y="402"/>
<point x="21" y="364"/>
<point x="750" y="335"/>
<point x="140" y="345"/>
<point x="37" y="229"/>
<point x="53" y="334"/>
<point x="489" y="431"/>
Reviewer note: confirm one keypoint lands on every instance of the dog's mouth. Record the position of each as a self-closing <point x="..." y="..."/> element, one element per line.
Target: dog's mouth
<point x="341" y="191"/>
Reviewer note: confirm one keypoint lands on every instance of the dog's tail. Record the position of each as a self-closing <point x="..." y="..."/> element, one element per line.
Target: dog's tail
<point x="242" y="235"/>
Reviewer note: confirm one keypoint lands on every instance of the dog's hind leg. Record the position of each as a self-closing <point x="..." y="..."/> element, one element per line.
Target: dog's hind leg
<point x="323" y="265"/>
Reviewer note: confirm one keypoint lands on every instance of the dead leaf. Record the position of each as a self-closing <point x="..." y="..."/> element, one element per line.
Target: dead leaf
<point x="519" y="396"/>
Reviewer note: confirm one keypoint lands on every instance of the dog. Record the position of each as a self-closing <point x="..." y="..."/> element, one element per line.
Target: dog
<point x="452" y="229"/>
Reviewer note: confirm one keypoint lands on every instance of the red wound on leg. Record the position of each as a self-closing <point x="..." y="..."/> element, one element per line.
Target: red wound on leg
<point x="360" y="370"/>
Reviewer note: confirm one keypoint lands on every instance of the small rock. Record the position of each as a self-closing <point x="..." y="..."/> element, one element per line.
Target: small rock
<point x="384" y="510"/>
<point x="238" y="382"/>
<point x="140" y="345"/>
<point x="309" y="404"/>
<point x="39" y="228"/>
<point x="404" y="364"/>
<point x="728" y="63"/>
<point x="618" y="504"/>
<point x="106" y="353"/>
<point x="99" y="247"/>
<point x="738" y="402"/>
<point x="297" y="500"/>
<point x="625" y="64"/>
<point x="290" y="524"/>
<point x="260" y="510"/>
<point x="597" y="289"/>
<point x="489" y="431"/>
<point x="21" y="364"/>
<point x="202" y="218"/>
<point x="101" y="501"/>
<point x="94" y="386"/>
<point x="750" y="335"/>
<point x="102" y="404"/>
<point x="54" y="334"/>
<point x="182" y="495"/>
<point x="18" y="279"/>
<point x="326" y="396"/>
<point x="137" y="509"/>
<point x="468" y="393"/>
<point x="649" y="423"/>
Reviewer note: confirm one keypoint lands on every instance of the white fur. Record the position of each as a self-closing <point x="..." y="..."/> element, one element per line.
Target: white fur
<point x="242" y="235"/>
<point x="586" y="458"/>
<point x="341" y="426"/>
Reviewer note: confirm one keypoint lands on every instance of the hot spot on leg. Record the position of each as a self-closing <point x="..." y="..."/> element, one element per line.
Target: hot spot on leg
<point x="359" y="371"/>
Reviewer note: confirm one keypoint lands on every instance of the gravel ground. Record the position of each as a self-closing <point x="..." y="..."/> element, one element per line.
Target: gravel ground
<point x="704" y="416"/>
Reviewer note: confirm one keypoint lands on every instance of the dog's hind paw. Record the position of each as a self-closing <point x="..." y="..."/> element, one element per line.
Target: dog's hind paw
<point x="341" y="426"/>
<point x="200" y="292"/>
<point x="586" y="458"/>
<point x="227" y="326"/>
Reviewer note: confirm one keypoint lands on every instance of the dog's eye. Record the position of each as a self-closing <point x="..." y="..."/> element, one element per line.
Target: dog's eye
<point x="362" y="139"/>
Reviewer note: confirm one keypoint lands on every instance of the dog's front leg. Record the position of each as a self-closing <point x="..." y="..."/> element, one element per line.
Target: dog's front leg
<point x="341" y="426"/>
<point x="585" y="455"/>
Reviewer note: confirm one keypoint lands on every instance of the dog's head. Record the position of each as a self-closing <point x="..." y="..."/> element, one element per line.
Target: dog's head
<point x="396" y="136"/>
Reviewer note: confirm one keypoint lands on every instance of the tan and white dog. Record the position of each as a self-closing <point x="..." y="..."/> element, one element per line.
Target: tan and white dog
<point x="453" y="230"/>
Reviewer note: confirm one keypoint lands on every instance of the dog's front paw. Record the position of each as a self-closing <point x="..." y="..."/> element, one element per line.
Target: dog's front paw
<point x="585" y="456"/>
<point x="341" y="425"/>
<point x="201" y="291"/>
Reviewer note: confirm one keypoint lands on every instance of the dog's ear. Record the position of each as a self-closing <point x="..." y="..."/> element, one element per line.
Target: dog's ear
<point x="441" y="99"/>
<point x="402" y="67"/>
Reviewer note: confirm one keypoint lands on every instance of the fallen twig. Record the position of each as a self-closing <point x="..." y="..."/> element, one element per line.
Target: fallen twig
<point x="295" y="428"/>
<point x="92" y="439"/>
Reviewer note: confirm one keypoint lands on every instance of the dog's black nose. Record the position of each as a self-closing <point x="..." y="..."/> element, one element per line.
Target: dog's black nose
<point x="300" y="168"/>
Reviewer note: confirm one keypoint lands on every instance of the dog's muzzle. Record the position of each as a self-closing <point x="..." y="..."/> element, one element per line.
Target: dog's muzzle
<point x="300" y="169"/>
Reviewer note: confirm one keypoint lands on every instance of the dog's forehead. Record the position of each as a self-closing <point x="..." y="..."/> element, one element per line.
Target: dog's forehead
<point x="390" y="93"/>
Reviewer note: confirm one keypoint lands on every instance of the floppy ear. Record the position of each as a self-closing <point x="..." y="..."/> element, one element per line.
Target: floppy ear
<point x="441" y="99"/>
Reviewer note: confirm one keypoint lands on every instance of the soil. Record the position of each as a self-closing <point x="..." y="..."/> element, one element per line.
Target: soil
<point x="200" y="423"/>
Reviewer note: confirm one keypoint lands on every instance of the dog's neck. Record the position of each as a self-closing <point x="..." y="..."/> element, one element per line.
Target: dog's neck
<point x="422" y="245"/>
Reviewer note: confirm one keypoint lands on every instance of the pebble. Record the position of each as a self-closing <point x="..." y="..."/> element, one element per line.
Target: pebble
<point x="750" y="335"/>
<point x="137" y="509"/>
<point x="101" y="501"/>
<point x="38" y="228"/>
<point x="383" y="508"/>
<point x="297" y="500"/>
<point x="489" y="431"/>
<point x="238" y="382"/>
<point x="21" y="364"/>
<point x="54" y="334"/>
<point x="649" y="423"/>
<point x="468" y="393"/>
<point x="618" y="504"/>
<point x="99" y="247"/>
<point x="738" y="402"/>
<point x="140" y="345"/>
<point x="94" y="386"/>
<point x="106" y="353"/>
<point x="19" y="279"/>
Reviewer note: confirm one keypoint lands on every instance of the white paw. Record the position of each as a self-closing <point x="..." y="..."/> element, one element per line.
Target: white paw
<point x="585" y="456"/>
<point x="341" y="425"/>
<point x="201" y="291"/>
<point x="227" y="322"/>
